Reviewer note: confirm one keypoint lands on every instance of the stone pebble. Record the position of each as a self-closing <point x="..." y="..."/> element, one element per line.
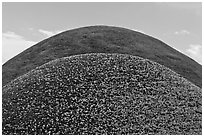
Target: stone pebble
<point x="101" y="94"/>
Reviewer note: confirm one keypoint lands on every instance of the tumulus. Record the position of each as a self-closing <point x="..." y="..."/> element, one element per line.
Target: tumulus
<point x="101" y="39"/>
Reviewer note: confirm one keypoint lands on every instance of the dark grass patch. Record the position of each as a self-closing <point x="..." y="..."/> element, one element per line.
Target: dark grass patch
<point x="101" y="39"/>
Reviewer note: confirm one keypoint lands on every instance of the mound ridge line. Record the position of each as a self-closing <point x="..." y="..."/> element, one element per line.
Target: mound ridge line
<point x="33" y="72"/>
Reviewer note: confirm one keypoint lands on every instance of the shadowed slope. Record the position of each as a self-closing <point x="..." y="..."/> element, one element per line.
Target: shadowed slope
<point x="101" y="94"/>
<point x="102" y="39"/>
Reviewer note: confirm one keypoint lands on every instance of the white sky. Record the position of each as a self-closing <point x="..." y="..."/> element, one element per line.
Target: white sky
<point x="177" y="24"/>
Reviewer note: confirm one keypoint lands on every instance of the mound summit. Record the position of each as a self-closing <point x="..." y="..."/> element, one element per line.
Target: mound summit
<point x="101" y="39"/>
<point x="101" y="94"/>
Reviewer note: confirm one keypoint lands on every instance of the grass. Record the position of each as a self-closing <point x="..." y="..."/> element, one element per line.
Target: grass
<point x="101" y="94"/>
<point x="101" y="39"/>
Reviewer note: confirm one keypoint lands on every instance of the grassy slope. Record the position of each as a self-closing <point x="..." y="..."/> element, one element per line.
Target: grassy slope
<point x="106" y="40"/>
<point x="101" y="94"/>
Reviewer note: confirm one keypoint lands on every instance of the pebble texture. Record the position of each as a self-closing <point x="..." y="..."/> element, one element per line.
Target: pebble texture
<point x="101" y="94"/>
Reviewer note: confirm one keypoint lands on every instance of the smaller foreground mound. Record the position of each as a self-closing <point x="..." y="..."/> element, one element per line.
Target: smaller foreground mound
<point x="101" y="94"/>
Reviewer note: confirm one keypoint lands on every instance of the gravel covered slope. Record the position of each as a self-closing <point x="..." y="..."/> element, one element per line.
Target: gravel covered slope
<point x="101" y="94"/>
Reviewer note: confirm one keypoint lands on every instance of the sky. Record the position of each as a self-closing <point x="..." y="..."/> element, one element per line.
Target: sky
<point x="177" y="24"/>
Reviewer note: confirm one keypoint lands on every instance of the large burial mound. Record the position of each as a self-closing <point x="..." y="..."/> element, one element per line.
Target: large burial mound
<point x="102" y="39"/>
<point x="101" y="94"/>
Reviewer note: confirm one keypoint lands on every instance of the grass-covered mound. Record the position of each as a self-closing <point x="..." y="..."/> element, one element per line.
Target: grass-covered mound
<point x="101" y="94"/>
<point x="101" y="39"/>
